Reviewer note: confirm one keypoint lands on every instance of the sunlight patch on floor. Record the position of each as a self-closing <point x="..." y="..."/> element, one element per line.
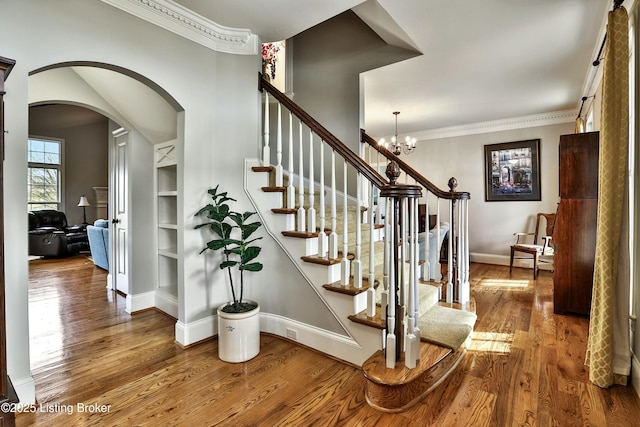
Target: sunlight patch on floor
<point x="491" y="342"/>
<point x="504" y="283"/>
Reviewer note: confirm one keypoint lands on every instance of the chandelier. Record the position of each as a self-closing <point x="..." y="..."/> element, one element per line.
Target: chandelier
<point x="398" y="147"/>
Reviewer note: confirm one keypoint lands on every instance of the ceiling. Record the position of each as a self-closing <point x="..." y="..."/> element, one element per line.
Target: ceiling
<point x="480" y="60"/>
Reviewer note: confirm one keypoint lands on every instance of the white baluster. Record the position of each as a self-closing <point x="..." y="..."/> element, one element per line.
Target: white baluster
<point x="391" y="317"/>
<point x="426" y="265"/>
<point x="412" y="352"/>
<point x="302" y="221"/>
<point x="323" y="240"/>
<point x="312" y="180"/>
<point x="357" y="262"/>
<point x="371" y="292"/>
<point x="463" y="260"/>
<point x="279" y="149"/>
<point x="291" y="191"/>
<point x="266" y="150"/>
<point x="333" y="236"/>
<point x="402" y="296"/>
<point x="387" y="263"/>
<point x="467" y="285"/>
<point x="416" y="257"/>
<point x="345" y="263"/>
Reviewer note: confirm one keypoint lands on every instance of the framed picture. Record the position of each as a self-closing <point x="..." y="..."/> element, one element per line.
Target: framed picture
<point x="512" y="171"/>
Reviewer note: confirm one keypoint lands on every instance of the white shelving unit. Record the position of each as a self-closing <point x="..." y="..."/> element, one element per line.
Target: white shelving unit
<point x="166" y="190"/>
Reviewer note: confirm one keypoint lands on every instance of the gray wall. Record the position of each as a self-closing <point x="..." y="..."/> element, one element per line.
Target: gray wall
<point x="86" y="159"/>
<point x="219" y="95"/>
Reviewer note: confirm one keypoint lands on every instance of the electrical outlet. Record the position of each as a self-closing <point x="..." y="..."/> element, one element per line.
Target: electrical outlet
<point x="292" y="334"/>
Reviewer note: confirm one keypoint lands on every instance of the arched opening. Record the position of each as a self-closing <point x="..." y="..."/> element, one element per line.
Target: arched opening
<point x="92" y="106"/>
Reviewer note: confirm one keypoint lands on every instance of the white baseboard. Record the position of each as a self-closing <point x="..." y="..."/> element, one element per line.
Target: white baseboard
<point x="339" y="346"/>
<point x="166" y="303"/>
<point x="140" y="302"/>
<point x="192" y="332"/>
<point x="635" y="373"/>
<point x="26" y="390"/>
<point x="498" y="260"/>
<point x="336" y="345"/>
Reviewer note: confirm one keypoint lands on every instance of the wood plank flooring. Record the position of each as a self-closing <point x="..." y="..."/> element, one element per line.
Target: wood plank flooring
<point x="524" y="366"/>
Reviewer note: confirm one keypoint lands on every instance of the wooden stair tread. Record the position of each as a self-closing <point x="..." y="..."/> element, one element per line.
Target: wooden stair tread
<point x="315" y="259"/>
<point x="263" y="169"/>
<point x="274" y="189"/>
<point x="375" y="322"/>
<point x="350" y="289"/>
<point x="284" y="210"/>
<point x="300" y="234"/>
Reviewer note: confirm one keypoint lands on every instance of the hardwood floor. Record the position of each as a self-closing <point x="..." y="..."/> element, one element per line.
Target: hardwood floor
<point x="94" y="364"/>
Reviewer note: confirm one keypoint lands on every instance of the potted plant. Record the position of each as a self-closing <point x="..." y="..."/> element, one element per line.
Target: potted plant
<point x="238" y="320"/>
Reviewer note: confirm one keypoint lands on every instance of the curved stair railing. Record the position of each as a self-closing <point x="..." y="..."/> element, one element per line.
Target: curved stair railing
<point x="324" y="177"/>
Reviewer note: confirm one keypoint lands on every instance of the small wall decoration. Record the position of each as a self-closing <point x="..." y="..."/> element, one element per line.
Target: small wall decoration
<point x="512" y="171"/>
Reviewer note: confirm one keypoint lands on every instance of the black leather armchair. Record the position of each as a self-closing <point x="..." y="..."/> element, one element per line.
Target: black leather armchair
<point x="50" y="235"/>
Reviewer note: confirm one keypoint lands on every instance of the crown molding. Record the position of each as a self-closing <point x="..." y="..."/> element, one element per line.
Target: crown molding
<point x="183" y="22"/>
<point x="544" y="119"/>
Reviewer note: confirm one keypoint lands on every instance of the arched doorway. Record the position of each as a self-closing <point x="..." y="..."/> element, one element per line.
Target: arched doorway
<point x="133" y="105"/>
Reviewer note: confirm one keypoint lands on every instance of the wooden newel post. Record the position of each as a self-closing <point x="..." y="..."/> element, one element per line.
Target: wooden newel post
<point x="395" y="193"/>
<point x="453" y="235"/>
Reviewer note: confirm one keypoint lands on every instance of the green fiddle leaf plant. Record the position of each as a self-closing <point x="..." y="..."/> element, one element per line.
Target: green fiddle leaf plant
<point x="233" y="231"/>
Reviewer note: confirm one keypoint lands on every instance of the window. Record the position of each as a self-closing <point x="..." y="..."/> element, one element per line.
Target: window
<point x="44" y="182"/>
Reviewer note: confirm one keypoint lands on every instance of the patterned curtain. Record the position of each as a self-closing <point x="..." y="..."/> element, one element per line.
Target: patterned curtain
<point x="608" y="354"/>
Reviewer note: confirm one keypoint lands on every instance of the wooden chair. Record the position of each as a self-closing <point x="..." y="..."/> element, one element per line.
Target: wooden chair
<point x="540" y="250"/>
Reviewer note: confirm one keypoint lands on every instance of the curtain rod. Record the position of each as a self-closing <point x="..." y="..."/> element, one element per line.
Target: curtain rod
<point x="616" y="5"/>
<point x="584" y="98"/>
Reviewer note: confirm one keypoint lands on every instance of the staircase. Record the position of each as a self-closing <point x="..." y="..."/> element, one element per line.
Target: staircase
<point x="408" y="334"/>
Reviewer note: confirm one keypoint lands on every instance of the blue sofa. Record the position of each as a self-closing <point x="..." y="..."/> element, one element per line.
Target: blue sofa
<point x="98" y="234"/>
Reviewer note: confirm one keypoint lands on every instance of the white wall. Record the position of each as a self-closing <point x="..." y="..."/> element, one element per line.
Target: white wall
<point x="219" y="95"/>
<point x="491" y="224"/>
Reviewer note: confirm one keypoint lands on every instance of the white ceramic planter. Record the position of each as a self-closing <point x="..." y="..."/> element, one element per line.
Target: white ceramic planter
<point x="238" y="335"/>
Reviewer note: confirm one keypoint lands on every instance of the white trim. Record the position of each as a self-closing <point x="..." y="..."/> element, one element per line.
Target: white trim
<point x="198" y="330"/>
<point x="499" y="260"/>
<point x="60" y="167"/>
<point x="166" y="302"/>
<point x="181" y="21"/>
<point x="544" y="119"/>
<point x="25" y="389"/>
<point x="336" y="345"/>
<point x="140" y="302"/>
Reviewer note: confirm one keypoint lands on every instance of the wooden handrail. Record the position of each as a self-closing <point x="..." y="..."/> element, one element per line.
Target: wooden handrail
<point x="451" y="195"/>
<point x="352" y="158"/>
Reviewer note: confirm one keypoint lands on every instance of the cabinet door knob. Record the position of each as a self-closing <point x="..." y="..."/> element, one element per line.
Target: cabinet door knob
<point x="115" y="221"/>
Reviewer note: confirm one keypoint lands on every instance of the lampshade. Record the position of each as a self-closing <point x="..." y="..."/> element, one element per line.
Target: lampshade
<point x="83" y="201"/>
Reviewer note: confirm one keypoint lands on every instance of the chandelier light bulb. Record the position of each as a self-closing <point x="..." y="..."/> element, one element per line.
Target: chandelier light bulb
<point x="397" y="147"/>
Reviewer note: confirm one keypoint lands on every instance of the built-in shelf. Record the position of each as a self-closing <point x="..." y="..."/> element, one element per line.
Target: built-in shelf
<point x="167" y="227"/>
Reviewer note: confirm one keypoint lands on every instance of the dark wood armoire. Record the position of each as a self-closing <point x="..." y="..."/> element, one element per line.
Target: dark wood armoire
<point x="7" y="394"/>
<point x="575" y="229"/>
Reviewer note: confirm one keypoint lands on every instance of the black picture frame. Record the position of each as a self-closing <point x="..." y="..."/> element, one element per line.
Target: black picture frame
<point x="512" y="171"/>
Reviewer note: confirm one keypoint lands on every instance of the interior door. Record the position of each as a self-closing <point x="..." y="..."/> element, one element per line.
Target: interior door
<point x="119" y="220"/>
